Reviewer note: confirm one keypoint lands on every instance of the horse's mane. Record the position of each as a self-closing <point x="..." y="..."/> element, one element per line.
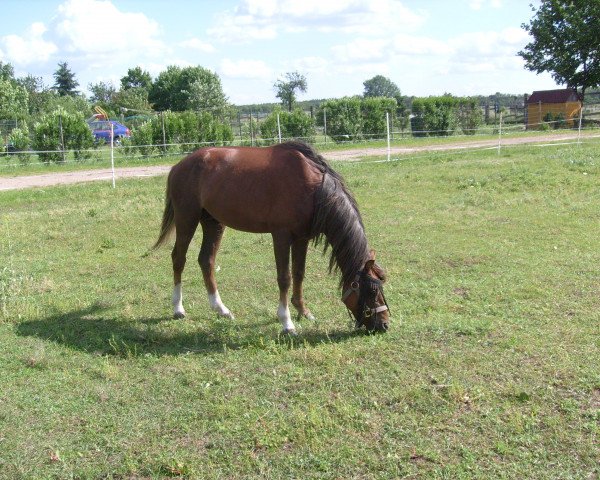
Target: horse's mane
<point x="336" y="220"/>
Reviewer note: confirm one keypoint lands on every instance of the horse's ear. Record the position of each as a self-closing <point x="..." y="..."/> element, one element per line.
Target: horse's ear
<point x="370" y="261"/>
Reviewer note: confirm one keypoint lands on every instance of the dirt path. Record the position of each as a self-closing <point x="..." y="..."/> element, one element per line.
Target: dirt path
<point x="65" y="178"/>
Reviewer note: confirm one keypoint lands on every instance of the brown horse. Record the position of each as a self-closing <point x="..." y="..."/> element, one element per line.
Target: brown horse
<point x="289" y="191"/>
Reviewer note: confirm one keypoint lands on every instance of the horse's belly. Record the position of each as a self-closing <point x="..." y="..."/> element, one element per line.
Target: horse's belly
<point x="253" y="220"/>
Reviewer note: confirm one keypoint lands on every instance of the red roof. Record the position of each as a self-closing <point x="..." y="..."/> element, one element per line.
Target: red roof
<point x="562" y="95"/>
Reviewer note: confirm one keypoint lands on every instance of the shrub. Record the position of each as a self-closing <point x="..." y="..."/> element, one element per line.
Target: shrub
<point x="374" y="115"/>
<point x="560" y="121"/>
<point x="295" y="124"/>
<point x="19" y="138"/>
<point x="76" y="136"/>
<point x="343" y="118"/>
<point x="437" y="115"/>
<point x="469" y="115"/>
<point x="180" y="131"/>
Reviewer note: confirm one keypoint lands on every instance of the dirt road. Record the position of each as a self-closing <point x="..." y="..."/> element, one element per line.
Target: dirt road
<point x="65" y="178"/>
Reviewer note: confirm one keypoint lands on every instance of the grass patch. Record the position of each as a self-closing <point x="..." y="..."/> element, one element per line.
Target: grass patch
<point x="490" y="369"/>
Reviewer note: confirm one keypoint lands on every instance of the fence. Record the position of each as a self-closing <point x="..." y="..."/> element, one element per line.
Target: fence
<point x="246" y="128"/>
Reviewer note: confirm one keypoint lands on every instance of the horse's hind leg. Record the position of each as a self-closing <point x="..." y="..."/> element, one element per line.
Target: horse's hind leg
<point x="212" y="233"/>
<point x="299" y="249"/>
<point x="185" y="229"/>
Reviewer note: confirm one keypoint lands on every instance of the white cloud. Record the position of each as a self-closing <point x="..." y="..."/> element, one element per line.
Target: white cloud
<point x="245" y="69"/>
<point x="478" y="4"/>
<point x="98" y="27"/>
<point x="265" y="20"/>
<point x="414" y="45"/>
<point x="197" y="44"/>
<point x="28" y="49"/>
<point x="361" y="49"/>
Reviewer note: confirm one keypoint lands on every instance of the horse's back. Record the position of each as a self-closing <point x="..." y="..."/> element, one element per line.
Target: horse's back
<point x="251" y="189"/>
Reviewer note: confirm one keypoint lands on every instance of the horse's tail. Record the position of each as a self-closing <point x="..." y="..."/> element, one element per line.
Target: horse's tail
<point x="168" y="220"/>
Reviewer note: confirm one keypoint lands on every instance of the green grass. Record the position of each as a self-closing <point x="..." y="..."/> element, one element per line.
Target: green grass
<point x="490" y="370"/>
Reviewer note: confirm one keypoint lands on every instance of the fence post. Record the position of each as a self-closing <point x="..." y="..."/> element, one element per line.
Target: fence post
<point x="62" y="138"/>
<point x="251" y="129"/>
<point x="278" y="128"/>
<point x="325" y="124"/>
<point x="387" y="122"/>
<point x="162" y="120"/>
<point x="580" y="120"/>
<point x="500" y="132"/>
<point x="112" y="152"/>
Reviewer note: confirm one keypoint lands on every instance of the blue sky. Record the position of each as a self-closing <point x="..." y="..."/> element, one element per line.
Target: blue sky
<point x="427" y="47"/>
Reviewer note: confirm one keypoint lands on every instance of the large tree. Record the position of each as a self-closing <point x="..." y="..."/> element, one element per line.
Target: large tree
<point x="64" y="80"/>
<point x="380" y="86"/>
<point x="286" y="88"/>
<point x="136" y="78"/>
<point x="565" y="42"/>
<point x="188" y="88"/>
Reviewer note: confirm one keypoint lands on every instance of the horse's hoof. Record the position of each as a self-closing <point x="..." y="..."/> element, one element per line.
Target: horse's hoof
<point x="178" y="315"/>
<point x="309" y="316"/>
<point x="228" y="315"/>
<point x="290" y="332"/>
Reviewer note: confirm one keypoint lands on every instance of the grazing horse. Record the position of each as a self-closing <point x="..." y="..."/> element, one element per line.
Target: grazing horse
<point x="289" y="191"/>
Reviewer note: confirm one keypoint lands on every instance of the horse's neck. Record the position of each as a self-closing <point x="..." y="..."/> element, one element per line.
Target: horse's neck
<point x="350" y="250"/>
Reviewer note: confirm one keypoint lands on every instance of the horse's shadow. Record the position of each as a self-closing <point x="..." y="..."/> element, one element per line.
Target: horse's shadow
<point x="93" y="330"/>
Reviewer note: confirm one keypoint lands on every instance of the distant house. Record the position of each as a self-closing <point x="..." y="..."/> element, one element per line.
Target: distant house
<point x="563" y="103"/>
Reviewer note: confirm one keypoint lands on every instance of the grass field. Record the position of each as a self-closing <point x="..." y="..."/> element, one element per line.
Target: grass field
<point x="491" y="368"/>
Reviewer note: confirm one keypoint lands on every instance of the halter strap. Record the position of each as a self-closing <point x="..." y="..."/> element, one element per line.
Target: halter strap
<point x="355" y="287"/>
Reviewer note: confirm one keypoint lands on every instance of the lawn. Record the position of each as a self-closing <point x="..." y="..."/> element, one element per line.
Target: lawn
<point x="491" y="368"/>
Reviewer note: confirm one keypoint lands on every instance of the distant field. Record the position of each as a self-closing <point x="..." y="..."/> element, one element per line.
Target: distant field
<point x="490" y="369"/>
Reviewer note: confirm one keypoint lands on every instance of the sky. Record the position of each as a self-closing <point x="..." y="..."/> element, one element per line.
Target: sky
<point x="426" y="47"/>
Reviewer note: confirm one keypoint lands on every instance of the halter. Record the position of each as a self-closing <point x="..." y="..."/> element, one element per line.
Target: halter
<point x="363" y="281"/>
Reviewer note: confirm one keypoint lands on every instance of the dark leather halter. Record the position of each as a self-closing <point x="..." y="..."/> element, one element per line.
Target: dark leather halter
<point x="365" y="286"/>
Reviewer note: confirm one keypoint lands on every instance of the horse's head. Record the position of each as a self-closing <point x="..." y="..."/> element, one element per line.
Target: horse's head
<point x="363" y="296"/>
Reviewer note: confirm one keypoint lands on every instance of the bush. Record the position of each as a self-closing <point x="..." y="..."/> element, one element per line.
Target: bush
<point x="19" y="139"/>
<point x="374" y="115"/>
<point x="178" y="131"/>
<point x="469" y="115"/>
<point x="76" y="136"/>
<point x="295" y="124"/>
<point x="437" y="114"/>
<point x="344" y="120"/>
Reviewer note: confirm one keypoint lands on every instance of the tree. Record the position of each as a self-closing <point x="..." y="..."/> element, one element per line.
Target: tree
<point x="136" y="78"/>
<point x="206" y="93"/>
<point x="7" y="72"/>
<point x="13" y="100"/>
<point x="565" y="42"/>
<point x="180" y="89"/>
<point x="134" y="99"/>
<point x="286" y="89"/>
<point x="380" y="86"/>
<point x="64" y="80"/>
<point x="102" y="92"/>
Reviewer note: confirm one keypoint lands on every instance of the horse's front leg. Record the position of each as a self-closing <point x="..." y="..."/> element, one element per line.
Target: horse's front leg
<point x="299" y="249"/>
<point x="281" y="244"/>
<point x="212" y="233"/>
